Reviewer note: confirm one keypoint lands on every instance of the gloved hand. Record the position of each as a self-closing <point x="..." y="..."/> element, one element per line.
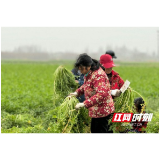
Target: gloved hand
<point x="79" y="105"/>
<point x="72" y="94"/>
<point x="116" y="92"/>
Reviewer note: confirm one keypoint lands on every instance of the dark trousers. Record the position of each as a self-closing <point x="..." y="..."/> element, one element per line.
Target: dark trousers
<point x="100" y="125"/>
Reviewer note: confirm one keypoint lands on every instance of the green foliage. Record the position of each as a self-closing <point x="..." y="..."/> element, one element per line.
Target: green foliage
<point x="68" y="120"/>
<point x="27" y="96"/>
<point x="122" y="104"/>
<point x="64" y="81"/>
<point x="66" y="115"/>
<point x="153" y="126"/>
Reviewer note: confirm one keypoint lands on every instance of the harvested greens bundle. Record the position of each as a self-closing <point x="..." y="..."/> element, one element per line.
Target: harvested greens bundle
<point x="124" y="104"/>
<point x="66" y="118"/>
<point x="70" y="120"/>
<point x="66" y="115"/>
<point x="63" y="84"/>
<point x="64" y="81"/>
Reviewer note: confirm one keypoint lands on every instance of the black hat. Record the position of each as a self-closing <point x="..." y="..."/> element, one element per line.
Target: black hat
<point x="111" y="53"/>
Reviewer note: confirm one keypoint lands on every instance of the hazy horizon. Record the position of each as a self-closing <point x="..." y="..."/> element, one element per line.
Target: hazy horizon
<point x="80" y="39"/>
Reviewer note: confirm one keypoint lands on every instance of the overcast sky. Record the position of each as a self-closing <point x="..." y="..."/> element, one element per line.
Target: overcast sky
<point x="77" y="39"/>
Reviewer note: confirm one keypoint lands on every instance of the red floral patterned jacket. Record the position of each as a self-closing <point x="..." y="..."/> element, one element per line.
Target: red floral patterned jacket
<point x="116" y="81"/>
<point x="96" y="89"/>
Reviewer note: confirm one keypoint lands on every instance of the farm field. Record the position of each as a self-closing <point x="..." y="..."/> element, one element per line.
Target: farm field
<point x="27" y="93"/>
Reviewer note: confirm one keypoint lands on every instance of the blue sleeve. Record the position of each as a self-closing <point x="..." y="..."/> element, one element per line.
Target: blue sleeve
<point x="81" y="80"/>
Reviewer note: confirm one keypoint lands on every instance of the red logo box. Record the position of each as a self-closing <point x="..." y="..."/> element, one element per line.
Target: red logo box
<point x="122" y="117"/>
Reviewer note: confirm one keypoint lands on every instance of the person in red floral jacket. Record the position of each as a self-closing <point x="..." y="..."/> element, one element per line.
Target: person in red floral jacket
<point x="96" y="89"/>
<point x="116" y="82"/>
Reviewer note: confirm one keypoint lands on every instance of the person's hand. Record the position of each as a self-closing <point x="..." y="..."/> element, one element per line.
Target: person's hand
<point x="79" y="105"/>
<point x="72" y="94"/>
<point x="116" y="92"/>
